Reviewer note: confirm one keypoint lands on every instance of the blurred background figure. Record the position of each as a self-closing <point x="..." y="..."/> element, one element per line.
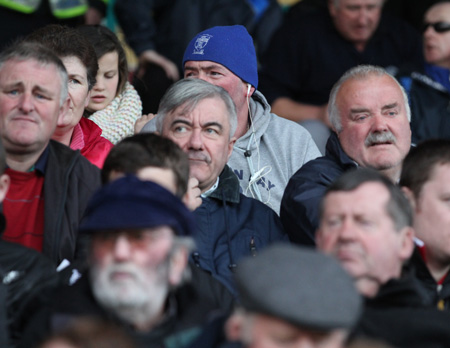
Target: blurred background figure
<point x="158" y="31"/>
<point x="89" y="333"/>
<point x="20" y="18"/>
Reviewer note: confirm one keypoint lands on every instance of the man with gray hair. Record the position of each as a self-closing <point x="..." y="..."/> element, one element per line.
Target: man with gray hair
<point x="50" y="183"/>
<point x="201" y="119"/>
<point x="370" y="114"/>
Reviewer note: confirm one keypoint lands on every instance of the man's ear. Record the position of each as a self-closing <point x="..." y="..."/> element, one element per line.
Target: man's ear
<point x="407" y="243"/>
<point x="332" y="8"/>
<point x="230" y="147"/>
<point x="177" y="265"/>
<point x="410" y="195"/>
<point x="5" y="181"/>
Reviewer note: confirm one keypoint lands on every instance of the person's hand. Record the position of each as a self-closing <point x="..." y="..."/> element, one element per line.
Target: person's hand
<point x="192" y="197"/>
<point x="141" y="121"/>
<point x="151" y="56"/>
<point x="92" y="16"/>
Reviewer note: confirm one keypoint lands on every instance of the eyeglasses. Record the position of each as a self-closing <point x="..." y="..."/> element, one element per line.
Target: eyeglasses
<point x="439" y="27"/>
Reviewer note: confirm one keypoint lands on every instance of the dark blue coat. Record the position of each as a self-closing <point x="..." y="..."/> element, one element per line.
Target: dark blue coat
<point x="299" y="210"/>
<point x="230" y="227"/>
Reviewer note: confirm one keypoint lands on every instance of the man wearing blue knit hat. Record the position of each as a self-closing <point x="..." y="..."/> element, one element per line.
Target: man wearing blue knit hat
<point x="269" y="149"/>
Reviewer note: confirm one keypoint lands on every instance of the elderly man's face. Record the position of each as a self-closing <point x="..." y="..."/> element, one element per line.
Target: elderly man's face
<point x="375" y="128"/>
<point x="203" y="133"/>
<point x="436" y="45"/>
<point x="356" y="20"/>
<point x="131" y="268"/>
<point x="29" y="105"/>
<point x="357" y="229"/>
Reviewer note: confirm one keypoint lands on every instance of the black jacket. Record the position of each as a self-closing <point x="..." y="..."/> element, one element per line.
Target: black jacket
<point x="299" y="210"/>
<point x="25" y="277"/>
<point x="430" y="107"/>
<point x="439" y="295"/>
<point x="401" y="315"/>
<point x="188" y="309"/>
<point x="70" y="180"/>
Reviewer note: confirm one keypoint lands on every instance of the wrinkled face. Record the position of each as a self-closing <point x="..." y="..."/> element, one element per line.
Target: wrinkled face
<point x="219" y="75"/>
<point x="105" y="88"/>
<point x="432" y="215"/>
<point x="29" y="105"/>
<point x="375" y="128"/>
<point x="203" y="133"/>
<point x="268" y="332"/>
<point x="357" y="230"/>
<point x="356" y="20"/>
<point x="436" y="46"/>
<point x="131" y="269"/>
<point x="78" y="92"/>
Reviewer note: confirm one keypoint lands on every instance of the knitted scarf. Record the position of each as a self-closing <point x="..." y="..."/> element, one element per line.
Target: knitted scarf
<point x="118" y="118"/>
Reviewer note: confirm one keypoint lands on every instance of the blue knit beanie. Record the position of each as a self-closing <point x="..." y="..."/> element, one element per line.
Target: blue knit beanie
<point x="230" y="46"/>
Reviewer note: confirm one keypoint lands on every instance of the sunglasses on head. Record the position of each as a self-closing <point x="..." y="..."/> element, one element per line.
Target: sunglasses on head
<point x="439" y="27"/>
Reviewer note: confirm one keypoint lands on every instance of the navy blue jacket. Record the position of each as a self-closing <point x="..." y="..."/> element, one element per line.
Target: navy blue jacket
<point x="299" y="210"/>
<point x="231" y="226"/>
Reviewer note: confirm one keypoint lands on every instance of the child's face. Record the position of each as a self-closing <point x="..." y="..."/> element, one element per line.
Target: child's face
<point x="105" y="89"/>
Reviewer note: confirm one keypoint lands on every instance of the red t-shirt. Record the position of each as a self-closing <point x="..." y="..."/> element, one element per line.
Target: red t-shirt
<point x="23" y="208"/>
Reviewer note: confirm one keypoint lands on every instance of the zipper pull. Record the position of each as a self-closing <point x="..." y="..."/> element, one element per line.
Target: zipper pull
<point x="252" y="247"/>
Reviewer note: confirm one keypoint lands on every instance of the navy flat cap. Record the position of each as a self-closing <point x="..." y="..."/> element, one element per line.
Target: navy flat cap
<point x="130" y="203"/>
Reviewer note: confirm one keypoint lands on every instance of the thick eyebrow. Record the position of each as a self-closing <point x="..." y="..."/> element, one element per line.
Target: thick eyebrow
<point x="390" y="106"/>
<point x="212" y="124"/>
<point x="43" y="91"/>
<point x="182" y="121"/>
<point x="13" y="85"/>
<point x="357" y="111"/>
<point x="207" y="67"/>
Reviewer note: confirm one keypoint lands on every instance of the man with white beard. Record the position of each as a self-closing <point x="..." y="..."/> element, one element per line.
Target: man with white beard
<point x="138" y="261"/>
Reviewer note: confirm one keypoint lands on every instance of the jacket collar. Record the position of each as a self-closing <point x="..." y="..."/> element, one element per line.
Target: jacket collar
<point x="228" y="188"/>
<point x="336" y="153"/>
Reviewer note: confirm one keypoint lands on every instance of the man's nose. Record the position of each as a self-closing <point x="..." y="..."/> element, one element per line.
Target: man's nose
<point x="26" y="103"/>
<point x="195" y="140"/>
<point x="379" y="124"/>
<point x="122" y="248"/>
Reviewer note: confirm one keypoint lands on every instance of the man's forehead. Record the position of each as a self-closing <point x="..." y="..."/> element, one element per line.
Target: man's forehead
<point x="216" y="107"/>
<point x="369" y="195"/>
<point x="30" y="70"/>
<point x="205" y="65"/>
<point x="360" y="2"/>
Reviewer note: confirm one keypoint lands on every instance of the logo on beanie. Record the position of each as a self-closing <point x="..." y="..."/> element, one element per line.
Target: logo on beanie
<point x="200" y="44"/>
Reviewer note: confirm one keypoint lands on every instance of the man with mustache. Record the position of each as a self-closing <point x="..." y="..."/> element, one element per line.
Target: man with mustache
<point x="366" y="224"/>
<point x="370" y="114"/>
<point x="201" y="118"/>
